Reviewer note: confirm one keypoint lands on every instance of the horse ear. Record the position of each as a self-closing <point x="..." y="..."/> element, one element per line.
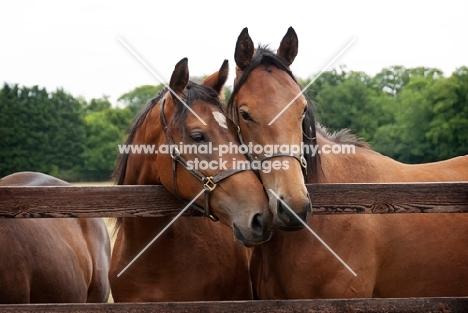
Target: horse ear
<point x="289" y="46"/>
<point x="244" y="49"/>
<point x="218" y="79"/>
<point x="180" y="77"/>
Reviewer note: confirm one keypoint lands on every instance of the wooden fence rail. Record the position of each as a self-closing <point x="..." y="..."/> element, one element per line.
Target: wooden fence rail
<point x="406" y="305"/>
<point x="154" y="201"/>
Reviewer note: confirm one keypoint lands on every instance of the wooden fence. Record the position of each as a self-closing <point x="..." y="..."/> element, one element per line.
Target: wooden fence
<point x="155" y="201"/>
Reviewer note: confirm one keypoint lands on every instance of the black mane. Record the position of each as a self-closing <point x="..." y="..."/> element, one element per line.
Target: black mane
<point x="265" y="57"/>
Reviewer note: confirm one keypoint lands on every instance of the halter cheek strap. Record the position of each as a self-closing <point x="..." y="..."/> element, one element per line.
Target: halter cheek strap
<point x="209" y="182"/>
<point x="300" y="158"/>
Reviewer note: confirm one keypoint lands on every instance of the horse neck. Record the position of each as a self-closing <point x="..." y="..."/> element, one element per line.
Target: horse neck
<point x="368" y="166"/>
<point x="142" y="169"/>
<point x="364" y="165"/>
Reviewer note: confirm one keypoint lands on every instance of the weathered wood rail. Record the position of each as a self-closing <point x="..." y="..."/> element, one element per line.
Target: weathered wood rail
<point x="406" y="305"/>
<point x="154" y="201"/>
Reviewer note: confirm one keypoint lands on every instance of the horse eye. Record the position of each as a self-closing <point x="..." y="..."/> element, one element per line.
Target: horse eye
<point x="305" y="110"/>
<point x="245" y="116"/>
<point x="197" y="137"/>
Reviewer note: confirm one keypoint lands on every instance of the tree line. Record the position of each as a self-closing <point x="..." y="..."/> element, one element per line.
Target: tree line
<point x="64" y="136"/>
<point x="412" y="115"/>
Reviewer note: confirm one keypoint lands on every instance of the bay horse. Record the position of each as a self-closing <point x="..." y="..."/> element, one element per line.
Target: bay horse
<point x="251" y="119"/>
<point x="52" y="260"/>
<point x="401" y="255"/>
<point x="195" y="258"/>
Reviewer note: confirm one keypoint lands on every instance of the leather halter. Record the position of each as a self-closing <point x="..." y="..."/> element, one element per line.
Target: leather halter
<point x="209" y="182"/>
<point x="300" y="158"/>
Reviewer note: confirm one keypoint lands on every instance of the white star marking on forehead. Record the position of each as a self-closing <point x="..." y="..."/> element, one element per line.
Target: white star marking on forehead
<point x="220" y="118"/>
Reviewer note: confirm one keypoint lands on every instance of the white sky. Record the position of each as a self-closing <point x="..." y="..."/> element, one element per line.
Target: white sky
<point x="74" y="44"/>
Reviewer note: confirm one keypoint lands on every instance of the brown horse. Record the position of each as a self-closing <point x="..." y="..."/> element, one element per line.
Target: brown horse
<point x="411" y="255"/>
<point x="254" y="119"/>
<point x="47" y="260"/>
<point x="196" y="258"/>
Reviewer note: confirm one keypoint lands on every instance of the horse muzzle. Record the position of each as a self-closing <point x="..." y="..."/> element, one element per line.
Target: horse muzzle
<point x="289" y="220"/>
<point x="257" y="233"/>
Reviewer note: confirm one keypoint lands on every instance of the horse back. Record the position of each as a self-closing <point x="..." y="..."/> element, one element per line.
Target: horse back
<point x="52" y="260"/>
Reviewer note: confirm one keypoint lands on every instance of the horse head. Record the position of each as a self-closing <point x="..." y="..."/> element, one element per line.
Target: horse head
<point x="193" y="137"/>
<point x="270" y="109"/>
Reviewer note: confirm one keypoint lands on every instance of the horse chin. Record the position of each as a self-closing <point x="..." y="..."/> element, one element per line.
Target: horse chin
<point x="240" y="238"/>
<point x="283" y="227"/>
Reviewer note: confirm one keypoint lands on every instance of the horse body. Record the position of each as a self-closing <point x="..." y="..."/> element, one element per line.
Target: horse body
<point x="52" y="260"/>
<point x="401" y="255"/>
<point x="195" y="259"/>
<point x="368" y="166"/>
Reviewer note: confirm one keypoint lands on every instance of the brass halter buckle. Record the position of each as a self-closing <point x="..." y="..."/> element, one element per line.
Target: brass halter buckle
<point x="209" y="184"/>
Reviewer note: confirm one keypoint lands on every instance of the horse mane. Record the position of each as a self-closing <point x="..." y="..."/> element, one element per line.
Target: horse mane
<point x="265" y="57"/>
<point x="343" y="136"/>
<point x="118" y="175"/>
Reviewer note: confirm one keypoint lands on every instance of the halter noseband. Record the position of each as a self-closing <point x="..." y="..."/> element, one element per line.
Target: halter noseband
<point x="300" y="158"/>
<point x="209" y="183"/>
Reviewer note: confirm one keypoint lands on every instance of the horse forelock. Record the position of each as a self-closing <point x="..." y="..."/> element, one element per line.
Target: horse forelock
<point x="193" y="92"/>
<point x="265" y="57"/>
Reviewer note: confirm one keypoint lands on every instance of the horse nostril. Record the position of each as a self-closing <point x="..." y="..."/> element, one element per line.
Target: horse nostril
<point x="302" y="215"/>
<point x="289" y="217"/>
<point x="309" y="204"/>
<point x="257" y="224"/>
<point x="280" y="207"/>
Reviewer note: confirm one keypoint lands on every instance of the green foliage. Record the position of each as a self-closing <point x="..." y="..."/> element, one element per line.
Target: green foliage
<point x="98" y="105"/>
<point x="448" y="130"/>
<point x="412" y="115"/>
<point x="345" y="100"/>
<point x="104" y="132"/>
<point x="137" y="98"/>
<point x="58" y="134"/>
<point x="40" y="131"/>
